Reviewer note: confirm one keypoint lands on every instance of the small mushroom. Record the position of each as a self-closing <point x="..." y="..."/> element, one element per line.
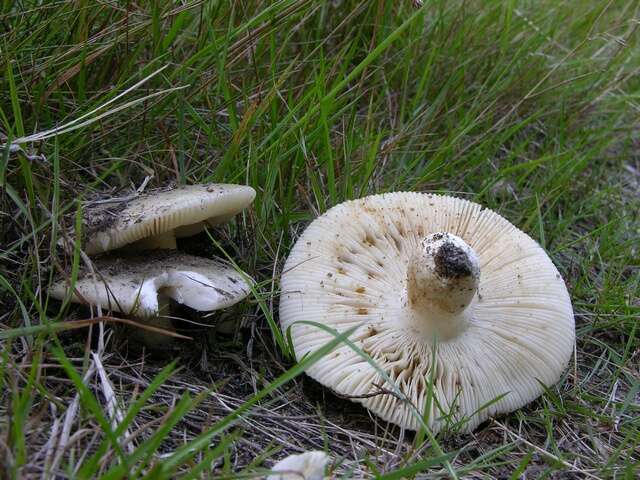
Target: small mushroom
<point x="142" y="286"/>
<point x="152" y="221"/>
<point x="156" y="219"/>
<point x="438" y="288"/>
<point x="306" y="466"/>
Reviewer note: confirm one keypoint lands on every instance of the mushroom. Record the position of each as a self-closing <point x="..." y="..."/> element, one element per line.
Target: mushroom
<point x="306" y="466"/>
<point x="142" y="286"/>
<point x="451" y="302"/>
<point x="156" y="219"/>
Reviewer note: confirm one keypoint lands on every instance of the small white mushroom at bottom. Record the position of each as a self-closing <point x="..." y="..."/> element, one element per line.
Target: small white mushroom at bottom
<point x="306" y="466"/>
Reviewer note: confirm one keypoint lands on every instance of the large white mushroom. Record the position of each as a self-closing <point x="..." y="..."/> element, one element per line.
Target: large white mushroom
<point x="438" y="287"/>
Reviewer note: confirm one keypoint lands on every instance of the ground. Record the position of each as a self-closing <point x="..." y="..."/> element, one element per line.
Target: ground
<point x="529" y="108"/>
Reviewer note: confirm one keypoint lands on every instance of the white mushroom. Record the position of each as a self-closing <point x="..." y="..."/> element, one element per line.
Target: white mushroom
<point x="306" y="466"/>
<point x="141" y="286"/>
<point x="152" y="221"/>
<point x="417" y="272"/>
<point x="157" y="218"/>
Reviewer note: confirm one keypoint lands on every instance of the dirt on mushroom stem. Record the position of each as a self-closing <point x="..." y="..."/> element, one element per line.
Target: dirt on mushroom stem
<point x="452" y="261"/>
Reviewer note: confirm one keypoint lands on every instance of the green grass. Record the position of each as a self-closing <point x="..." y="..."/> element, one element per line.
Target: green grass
<point x="529" y="108"/>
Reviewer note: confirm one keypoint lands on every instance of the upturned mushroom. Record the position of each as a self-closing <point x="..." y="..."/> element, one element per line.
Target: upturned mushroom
<point x="306" y="466"/>
<point x="143" y="286"/>
<point x="448" y="299"/>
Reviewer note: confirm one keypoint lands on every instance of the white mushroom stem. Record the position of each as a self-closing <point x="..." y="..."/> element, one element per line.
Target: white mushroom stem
<point x="167" y="240"/>
<point x="161" y="320"/>
<point x="442" y="279"/>
<point x="163" y="240"/>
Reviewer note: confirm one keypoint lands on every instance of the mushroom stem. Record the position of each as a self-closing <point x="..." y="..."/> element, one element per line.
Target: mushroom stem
<point x="442" y="279"/>
<point x="163" y="240"/>
<point x="161" y="320"/>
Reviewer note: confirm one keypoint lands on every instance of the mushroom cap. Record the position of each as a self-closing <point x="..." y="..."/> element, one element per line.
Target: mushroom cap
<point x="136" y="285"/>
<point x="185" y="210"/>
<point x="306" y="466"/>
<point x="349" y="269"/>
